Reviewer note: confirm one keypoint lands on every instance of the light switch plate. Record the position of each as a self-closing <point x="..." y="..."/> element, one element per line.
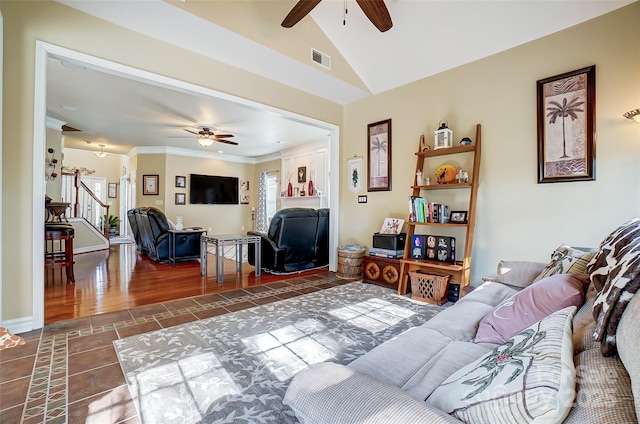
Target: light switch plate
<point x="159" y="202"/>
<point x="362" y="199"/>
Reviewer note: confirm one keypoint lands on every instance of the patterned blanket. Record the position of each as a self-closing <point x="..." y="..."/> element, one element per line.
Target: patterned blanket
<point x="615" y="273"/>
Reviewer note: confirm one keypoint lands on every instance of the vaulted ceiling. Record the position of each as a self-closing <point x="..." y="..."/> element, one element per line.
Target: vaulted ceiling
<point x="427" y="37"/>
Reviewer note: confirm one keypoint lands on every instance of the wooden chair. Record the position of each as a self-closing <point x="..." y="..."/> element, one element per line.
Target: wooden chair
<point x="59" y="248"/>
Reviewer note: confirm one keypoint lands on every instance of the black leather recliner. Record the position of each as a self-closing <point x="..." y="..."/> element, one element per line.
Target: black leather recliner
<point x="152" y="236"/>
<point x="298" y="239"/>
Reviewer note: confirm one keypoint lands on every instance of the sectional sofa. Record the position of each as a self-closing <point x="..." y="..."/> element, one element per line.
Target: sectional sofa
<point x="543" y="343"/>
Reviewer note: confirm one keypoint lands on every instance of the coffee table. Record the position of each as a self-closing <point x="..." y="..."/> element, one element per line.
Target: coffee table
<point x="220" y="242"/>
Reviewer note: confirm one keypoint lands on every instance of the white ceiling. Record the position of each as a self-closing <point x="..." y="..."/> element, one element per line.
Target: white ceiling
<point x="428" y="37"/>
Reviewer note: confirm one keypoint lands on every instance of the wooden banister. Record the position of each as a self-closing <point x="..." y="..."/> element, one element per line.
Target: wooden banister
<point x="76" y="206"/>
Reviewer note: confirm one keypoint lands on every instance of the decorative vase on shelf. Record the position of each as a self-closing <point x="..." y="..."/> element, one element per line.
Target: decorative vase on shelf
<point x="290" y="190"/>
<point x="310" y="191"/>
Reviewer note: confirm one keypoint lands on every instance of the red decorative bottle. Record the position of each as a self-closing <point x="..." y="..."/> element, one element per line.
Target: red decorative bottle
<point x="310" y="192"/>
<point x="290" y="190"/>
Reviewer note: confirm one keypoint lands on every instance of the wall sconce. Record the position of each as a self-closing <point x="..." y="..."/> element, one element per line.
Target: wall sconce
<point x="50" y="174"/>
<point x="101" y="153"/>
<point x="633" y="114"/>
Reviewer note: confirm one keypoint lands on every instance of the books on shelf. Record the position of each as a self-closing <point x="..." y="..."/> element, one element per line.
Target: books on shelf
<point x="428" y="212"/>
<point x="386" y="253"/>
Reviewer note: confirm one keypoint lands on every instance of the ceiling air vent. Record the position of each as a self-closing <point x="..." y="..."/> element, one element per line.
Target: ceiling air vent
<point x="321" y="58"/>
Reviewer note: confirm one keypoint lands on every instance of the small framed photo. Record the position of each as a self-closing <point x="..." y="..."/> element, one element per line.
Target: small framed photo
<point x="244" y="185"/>
<point x="150" y="184"/>
<point x="181" y="181"/>
<point x="244" y="200"/>
<point x="458" y="217"/>
<point x="112" y="192"/>
<point x="181" y="199"/>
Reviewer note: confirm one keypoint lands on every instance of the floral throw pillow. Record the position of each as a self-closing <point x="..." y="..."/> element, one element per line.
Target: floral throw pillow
<point x="8" y="340"/>
<point x="529" y="378"/>
<point x="567" y="260"/>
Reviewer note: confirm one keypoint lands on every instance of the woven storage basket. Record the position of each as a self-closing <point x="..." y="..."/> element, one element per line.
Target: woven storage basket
<point x="429" y="288"/>
<point x="350" y="263"/>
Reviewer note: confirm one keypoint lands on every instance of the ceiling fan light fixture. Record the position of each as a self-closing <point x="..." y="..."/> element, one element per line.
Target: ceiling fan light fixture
<point x="101" y="153"/>
<point x="205" y="141"/>
<point x="633" y="114"/>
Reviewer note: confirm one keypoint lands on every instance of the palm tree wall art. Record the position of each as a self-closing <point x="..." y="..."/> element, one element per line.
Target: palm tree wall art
<point x="379" y="156"/>
<point x="566" y="127"/>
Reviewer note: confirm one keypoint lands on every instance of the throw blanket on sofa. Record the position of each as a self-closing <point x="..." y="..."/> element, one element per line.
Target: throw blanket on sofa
<point x="615" y="273"/>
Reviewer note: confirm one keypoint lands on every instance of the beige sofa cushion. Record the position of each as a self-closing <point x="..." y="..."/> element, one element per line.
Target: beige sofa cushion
<point x="603" y="391"/>
<point x="628" y="338"/>
<point x="490" y="293"/>
<point x="397" y="360"/>
<point x="518" y="273"/>
<point x="330" y="393"/>
<point x="455" y="356"/>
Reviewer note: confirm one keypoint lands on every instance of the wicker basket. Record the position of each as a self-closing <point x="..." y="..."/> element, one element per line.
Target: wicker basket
<point x="429" y="288"/>
<point x="350" y="263"/>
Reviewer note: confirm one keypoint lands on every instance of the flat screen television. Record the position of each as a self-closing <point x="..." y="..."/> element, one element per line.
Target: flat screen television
<point x="213" y="190"/>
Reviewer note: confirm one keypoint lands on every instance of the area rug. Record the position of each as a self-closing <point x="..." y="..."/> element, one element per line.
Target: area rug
<point x="235" y="368"/>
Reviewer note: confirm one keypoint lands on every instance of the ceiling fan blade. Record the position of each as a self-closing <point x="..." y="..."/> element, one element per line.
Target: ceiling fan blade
<point x="377" y="13"/>
<point x="222" y="140"/>
<point x="66" y="127"/>
<point x="299" y="11"/>
<point x="223" y="135"/>
<point x="192" y="132"/>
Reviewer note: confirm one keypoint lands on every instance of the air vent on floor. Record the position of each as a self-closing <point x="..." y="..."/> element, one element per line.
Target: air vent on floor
<point x="321" y="58"/>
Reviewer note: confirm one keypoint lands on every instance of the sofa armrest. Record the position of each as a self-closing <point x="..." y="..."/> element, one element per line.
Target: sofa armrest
<point x="271" y="254"/>
<point x="328" y="392"/>
<point x="518" y="273"/>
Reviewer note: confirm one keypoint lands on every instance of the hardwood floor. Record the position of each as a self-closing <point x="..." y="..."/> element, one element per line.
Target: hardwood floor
<point x="120" y="278"/>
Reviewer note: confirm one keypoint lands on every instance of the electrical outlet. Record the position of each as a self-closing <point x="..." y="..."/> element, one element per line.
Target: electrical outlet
<point x="362" y="199"/>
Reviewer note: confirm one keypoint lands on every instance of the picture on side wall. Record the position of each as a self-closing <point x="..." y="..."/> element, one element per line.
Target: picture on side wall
<point x="181" y="181"/>
<point x="566" y="126"/>
<point x="302" y="174"/>
<point x="244" y="185"/>
<point x="112" y="191"/>
<point x="150" y="184"/>
<point x="355" y="174"/>
<point x="244" y="200"/>
<point x="181" y="199"/>
<point x="379" y="156"/>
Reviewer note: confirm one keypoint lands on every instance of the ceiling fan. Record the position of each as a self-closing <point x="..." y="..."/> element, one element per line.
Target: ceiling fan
<point x="375" y="10"/>
<point x="206" y="136"/>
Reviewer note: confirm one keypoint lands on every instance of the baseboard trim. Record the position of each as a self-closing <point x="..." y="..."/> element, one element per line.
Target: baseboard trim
<point x="19" y="325"/>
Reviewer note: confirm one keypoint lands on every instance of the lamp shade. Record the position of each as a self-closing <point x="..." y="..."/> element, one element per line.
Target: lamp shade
<point x="101" y="153"/>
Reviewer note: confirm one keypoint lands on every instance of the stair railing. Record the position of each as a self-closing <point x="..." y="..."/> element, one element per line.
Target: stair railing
<point x="89" y="206"/>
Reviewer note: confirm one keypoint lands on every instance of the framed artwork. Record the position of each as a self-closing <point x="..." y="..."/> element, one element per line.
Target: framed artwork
<point x="244" y="200"/>
<point x="355" y="174"/>
<point x="458" y="217"/>
<point x="181" y="199"/>
<point x="566" y="126"/>
<point x="302" y="174"/>
<point x="150" y="184"/>
<point x="112" y="191"/>
<point x="379" y="156"/>
<point x="244" y="185"/>
<point x="181" y="181"/>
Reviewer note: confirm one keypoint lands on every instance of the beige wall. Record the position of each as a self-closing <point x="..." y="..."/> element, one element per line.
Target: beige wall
<point x="26" y="22"/>
<point x="516" y="217"/>
<point x="222" y="219"/>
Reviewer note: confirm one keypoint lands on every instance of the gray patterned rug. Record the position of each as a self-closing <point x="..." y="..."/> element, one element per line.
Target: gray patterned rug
<point x="235" y="368"/>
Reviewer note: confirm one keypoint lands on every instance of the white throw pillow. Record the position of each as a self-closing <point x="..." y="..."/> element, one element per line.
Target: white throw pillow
<point x="529" y="379"/>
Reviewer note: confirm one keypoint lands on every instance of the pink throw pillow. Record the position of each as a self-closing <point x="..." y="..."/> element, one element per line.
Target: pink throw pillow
<point x="530" y="305"/>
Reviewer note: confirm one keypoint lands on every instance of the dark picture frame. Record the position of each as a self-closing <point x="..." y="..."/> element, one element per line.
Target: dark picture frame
<point x="458" y="217"/>
<point x="181" y="198"/>
<point x="181" y="181"/>
<point x="379" y="156"/>
<point x="302" y="174"/>
<point x="566" y="126"/>
<point x="150" y="184"/>
<point x="112" y="190"/>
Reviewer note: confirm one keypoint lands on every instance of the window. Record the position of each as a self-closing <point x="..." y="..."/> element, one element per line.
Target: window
<point x="272" y="197"/>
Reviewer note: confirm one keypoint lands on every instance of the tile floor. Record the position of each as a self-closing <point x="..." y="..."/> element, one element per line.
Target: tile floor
<point x="68" y="372"/>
